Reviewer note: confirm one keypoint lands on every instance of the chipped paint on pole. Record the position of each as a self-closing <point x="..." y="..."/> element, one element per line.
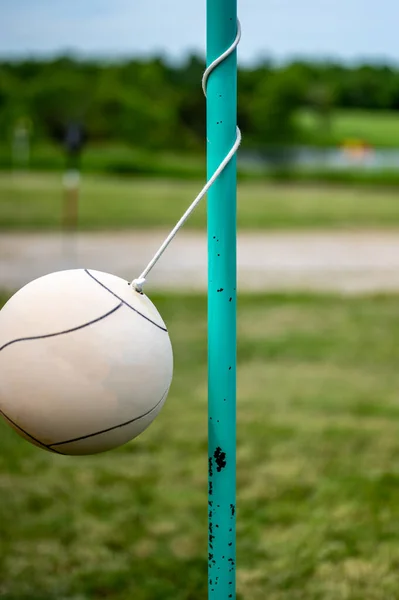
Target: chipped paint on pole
<point x="222" y="266"/>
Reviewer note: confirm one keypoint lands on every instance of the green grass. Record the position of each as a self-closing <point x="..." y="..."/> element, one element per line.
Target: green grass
<point x="318" y="470"/>
<point x="34" y="201"/>
<point x="380" y="129"/>
<point x="112" y="158"/>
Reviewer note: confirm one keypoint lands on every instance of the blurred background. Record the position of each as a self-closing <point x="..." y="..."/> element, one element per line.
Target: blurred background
<point x="102" y="147"/>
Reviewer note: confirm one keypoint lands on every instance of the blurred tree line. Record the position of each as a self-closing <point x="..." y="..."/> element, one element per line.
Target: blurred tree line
<point x="154" y="105"/>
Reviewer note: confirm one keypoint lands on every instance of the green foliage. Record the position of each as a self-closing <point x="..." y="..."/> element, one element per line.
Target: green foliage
<point x="276" y="100"/>
<point x="153" y="105"/>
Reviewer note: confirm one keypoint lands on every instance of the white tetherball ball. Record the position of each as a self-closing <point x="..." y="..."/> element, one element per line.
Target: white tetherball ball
<point x="85" y="362"/>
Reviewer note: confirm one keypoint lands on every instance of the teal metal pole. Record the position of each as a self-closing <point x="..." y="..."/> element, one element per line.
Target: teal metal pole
<point x="221" y="134"/>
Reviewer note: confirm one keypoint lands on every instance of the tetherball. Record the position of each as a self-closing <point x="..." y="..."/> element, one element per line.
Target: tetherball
<point x="85" y="362"/>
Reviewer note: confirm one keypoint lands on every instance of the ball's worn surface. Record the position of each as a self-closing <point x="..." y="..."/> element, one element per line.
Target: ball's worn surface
<point x="85" y="362"/>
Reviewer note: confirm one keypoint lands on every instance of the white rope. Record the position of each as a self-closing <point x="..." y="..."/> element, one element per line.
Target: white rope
<point x="221" y="58"/>
<point x="138" y="283"/>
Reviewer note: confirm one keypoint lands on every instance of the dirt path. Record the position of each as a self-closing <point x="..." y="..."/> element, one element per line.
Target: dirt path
<point x="348" y="262"/>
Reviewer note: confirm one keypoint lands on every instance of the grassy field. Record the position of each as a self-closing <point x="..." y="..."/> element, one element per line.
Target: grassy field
<point x="34" y="201"/>
<point x="380" y="129"/>
<point x="111" y="158"/>
<point x="318" y="470"/>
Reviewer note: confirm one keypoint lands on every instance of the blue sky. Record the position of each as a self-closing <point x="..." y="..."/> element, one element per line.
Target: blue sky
<point x="347" y="29"/>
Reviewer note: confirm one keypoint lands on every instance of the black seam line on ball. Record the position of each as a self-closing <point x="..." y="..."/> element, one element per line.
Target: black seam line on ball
<point x="49" y="335"/>
<point x="126" y="303"/>
<point x="89" y="435"/>
<point x="29" y="435"/>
